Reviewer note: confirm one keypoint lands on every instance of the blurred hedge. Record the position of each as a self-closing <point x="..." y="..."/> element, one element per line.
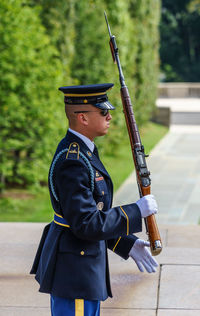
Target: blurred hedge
<point x="48" y="43"/>
<point x="30" y="71"/>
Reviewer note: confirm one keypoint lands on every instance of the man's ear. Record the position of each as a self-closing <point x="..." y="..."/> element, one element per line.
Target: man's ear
<point x="82" y="119"/>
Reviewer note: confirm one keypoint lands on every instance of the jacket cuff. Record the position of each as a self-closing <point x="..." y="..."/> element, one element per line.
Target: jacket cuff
<point x="133" y="218"/>
<point x="124" y="245"/>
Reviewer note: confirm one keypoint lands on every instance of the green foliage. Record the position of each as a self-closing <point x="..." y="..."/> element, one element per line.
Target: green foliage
<point x="29" y="72"/>
<point x="145" y="16"/>
<point x="46" y="44"/>
<point x="180" y="53"/>
<point x="58" y="18"/>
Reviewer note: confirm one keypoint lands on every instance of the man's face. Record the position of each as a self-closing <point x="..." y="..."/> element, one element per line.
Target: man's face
<point x="98" y="124"/>
<point x="88" y="120"/>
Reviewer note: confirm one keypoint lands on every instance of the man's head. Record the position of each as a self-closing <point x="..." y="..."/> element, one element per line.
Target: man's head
<point x="87" y="109"/>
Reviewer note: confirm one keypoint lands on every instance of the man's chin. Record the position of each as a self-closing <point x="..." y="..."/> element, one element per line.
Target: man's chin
<point x="105" y="132"/>
<point x="102" y="133"/>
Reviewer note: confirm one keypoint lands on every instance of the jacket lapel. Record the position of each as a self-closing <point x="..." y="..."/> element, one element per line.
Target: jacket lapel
<point x="95" y="162"/>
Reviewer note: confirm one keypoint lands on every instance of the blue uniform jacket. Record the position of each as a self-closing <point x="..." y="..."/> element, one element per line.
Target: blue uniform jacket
<point x="72" y="261"/>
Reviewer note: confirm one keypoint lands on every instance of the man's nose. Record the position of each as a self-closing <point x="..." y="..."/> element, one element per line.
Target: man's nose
<point x="109" y="116"/>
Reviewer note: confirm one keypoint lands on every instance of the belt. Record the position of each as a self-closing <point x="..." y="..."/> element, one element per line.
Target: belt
<point x="59" y="220"/>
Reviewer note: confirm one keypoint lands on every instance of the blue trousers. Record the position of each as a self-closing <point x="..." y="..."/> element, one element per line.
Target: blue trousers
<point x="79" y="307"/>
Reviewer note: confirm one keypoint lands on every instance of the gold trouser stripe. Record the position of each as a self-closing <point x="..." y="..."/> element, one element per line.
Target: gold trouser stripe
<point x="83" y="94"/>
<point x="116" y="243"/>
<point x="127" y="220"/>
<point x="79" y="307"/>
<point x="61" y="224"/>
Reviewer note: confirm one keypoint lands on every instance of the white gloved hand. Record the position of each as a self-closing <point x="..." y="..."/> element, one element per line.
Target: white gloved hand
<point x="142" y="256"/>
<point x="147" y="205"/>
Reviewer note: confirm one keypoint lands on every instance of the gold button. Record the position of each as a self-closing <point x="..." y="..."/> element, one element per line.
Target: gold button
<point x="102" y="192"/>
<point x="82" y="253"/>
<point x="89" y="153"/>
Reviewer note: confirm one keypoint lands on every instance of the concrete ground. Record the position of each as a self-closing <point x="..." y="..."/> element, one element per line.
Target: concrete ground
<point x="174" y="290"/>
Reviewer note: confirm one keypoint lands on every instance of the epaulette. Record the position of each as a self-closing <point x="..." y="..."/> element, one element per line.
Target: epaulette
<point x="73" y="152"/>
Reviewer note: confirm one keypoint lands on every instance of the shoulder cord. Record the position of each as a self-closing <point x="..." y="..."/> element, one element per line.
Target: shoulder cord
<point x="88" y="164"/>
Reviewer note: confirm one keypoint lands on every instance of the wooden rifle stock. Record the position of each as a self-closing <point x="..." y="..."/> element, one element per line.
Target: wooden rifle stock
<point x="142" y="173"/>
<point x="143" y="186"/>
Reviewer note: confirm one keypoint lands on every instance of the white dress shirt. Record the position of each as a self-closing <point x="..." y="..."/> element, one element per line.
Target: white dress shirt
<point x="85" y="139"/>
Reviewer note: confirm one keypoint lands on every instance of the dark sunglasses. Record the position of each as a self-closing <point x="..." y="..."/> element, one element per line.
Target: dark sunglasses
<point x="102" y="112"/>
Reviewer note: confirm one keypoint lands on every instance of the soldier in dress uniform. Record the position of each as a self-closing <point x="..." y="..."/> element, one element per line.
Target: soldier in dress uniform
<point x="71" y="262"/>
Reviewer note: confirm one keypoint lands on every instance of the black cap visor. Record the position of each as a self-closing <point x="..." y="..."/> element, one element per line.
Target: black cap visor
<point x="106" y="105"/>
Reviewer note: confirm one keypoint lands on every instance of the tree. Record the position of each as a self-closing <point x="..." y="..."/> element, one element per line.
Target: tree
<point x="30" y="73"/>
<point x="58" y="17"/>
<point x="145" y="17"/>
<point x="46" y="44"/>
<point x="180" y="47"/>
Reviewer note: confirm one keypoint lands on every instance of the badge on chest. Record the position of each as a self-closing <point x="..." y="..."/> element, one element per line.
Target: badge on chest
<point x="100" y="183"/>
<point x="102" y="195"/>
<point x="98" y="177"/>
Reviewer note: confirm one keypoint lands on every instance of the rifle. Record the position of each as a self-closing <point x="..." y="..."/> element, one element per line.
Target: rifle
<point x="142" y="173"/>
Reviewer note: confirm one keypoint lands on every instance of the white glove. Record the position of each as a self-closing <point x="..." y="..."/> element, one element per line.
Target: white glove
<point x="147" y="205"/>
<point x="142" y="256"/>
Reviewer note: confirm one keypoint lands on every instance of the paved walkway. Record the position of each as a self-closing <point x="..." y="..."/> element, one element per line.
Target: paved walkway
<point x="174" y="290"/>
<point x="175" y="172"/>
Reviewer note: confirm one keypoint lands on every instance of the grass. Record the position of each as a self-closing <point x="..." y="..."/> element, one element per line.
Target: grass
<point x="35" y="206"/>
<point x="23" y="206"/>
<point x="121" y="166"/>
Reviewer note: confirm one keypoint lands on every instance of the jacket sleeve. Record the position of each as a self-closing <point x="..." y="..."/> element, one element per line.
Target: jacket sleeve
<point x="122" y="245"/>
<point x="79" y="207"/>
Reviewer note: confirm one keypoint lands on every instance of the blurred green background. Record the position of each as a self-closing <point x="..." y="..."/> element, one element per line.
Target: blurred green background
<point x="46" y="44"/>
